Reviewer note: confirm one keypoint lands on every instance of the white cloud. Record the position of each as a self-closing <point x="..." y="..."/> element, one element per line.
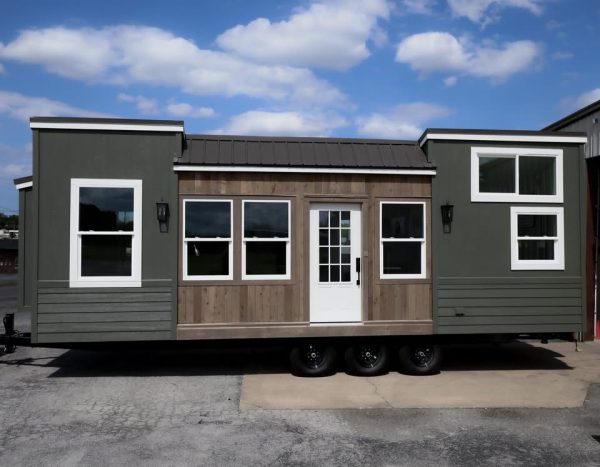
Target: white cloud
<point x="488" y="11"/>
<point x="22" y="107"/>
<point x="432" y="52"/>
<point x="580" y="101"/>
<point x="183" y="109"/>
<point x="138" y="54"/>
<point x="144" y="105"/>
<point x="329" y="34"/>
<point x="420" y="7"/>
<point x="2" y="70"/>
<point x="15" y="161"/>
<point x="450" y="81"/>
<point x="292" y="123"/>
<point x="562" y="55"/>
<point x="401" y="122"/>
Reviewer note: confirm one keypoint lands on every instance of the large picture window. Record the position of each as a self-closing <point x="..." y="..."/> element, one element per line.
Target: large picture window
<point x="537" y="238"/>
<point x="402" y="240"/>
<point x="207" y="239"/>
<point x="266" y="239"/>
<point x="516" y="175"/>
<point x="106" y="218"/>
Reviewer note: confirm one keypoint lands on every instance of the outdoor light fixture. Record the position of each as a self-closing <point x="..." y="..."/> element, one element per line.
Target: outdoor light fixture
<point x="447" y="213"/>
<point x="162" y="215"/>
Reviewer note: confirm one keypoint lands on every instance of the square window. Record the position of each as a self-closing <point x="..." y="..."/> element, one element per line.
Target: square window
<point x="497" y="174"/>
<point x="266" y="258"/>
<point x="400" y="258"/>
<point x="207" y="258"/>
<point x="537" y="241"/>
<point x="105" y="255"/>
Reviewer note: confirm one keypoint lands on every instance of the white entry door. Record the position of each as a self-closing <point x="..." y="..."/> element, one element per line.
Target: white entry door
<point x="335" y="256"/>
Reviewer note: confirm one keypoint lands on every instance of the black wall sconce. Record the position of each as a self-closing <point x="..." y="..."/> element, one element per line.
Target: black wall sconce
<point x="162" y="215"/>
<point x="447" y="215"/>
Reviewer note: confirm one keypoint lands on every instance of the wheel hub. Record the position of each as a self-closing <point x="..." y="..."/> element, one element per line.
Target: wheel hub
<point x="422" y="356"/>
<point x="368" y="356"/>
<point x="313" y="356"/>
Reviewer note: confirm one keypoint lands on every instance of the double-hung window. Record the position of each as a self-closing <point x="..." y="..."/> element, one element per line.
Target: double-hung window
<point x="106" y="233"/>
<point x="266" y="239"/>
<point x="207" y="239"/>
<point x="402" y="240"/>
<point x="537" y="238"/>
<point x="517" y="175"/>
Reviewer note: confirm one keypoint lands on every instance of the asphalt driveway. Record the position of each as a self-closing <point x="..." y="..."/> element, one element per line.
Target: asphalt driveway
<point x="160" y="406"/>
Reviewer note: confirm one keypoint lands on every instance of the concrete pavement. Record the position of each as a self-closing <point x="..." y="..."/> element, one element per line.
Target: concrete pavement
<point x="551" y="376"/>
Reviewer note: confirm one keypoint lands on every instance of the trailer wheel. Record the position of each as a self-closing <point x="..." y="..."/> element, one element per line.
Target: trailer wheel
<point x="313" y="359"/>
<point x="423" y="358"/>
<point x="368" y="358"/>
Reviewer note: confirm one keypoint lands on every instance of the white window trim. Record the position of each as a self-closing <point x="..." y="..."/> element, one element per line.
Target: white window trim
<point x="476" y="196"/>
<point x="185" y="241"/>
<point x="423" y="241"/>
<point x="558" y="263"/>
<point x="288" y="261"/>
<point x="75" y="277"/>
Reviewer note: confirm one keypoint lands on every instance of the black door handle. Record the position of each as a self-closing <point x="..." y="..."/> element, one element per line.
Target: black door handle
<point x="358" y="271"/>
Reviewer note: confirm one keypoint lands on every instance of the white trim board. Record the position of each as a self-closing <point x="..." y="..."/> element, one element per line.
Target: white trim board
<point x="22" y="186"/>
<point x="105" y="127"/>
<point x="332" y="170"/>
<point x="506" y="138"/>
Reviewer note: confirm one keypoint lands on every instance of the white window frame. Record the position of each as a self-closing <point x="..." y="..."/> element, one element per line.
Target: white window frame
<point x="423" y="240"/>
<point x="186" y="240"/>
<point x="287" y="240"/>
<point x="514" y="153"/>
<point x="558" y="263"/>
<point x="75" y="277"/>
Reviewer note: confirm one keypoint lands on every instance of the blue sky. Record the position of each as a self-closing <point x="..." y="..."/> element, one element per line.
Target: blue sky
<point x="352" y="68"/>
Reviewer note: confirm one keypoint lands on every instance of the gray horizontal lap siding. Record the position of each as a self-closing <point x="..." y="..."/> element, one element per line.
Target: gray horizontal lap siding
<point x="63" y="314"/>
<point x="506" y="304"/>
<point x="85" y="315"/>
<point x="474" y="288"/>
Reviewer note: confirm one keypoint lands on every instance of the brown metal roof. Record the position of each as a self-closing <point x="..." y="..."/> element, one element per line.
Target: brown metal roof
<point x="303" y="152"/>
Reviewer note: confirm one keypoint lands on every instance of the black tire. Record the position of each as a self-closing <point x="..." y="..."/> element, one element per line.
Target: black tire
<point x="313" y="359"/>
<point x="367" y="358"/>
<point x="420" y="358"/>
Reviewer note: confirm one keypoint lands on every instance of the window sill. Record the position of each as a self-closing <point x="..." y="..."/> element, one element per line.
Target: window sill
<point x="105" y="283"/>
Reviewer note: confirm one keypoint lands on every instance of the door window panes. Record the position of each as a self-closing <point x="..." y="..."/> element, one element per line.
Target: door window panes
<point x="334" y="264"/>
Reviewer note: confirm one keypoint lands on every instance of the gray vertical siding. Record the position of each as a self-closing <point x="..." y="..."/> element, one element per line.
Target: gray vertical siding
<point x="105" y="314"/>
<point x="26" y="279"/>
<point x="587" y="125"/>
<point x="474" y="288"/>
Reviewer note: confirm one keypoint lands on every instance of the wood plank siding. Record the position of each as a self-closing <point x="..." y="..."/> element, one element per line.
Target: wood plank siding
<point x="244" y="304"/>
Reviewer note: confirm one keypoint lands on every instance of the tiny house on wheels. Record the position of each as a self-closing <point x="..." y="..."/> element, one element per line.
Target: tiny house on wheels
<point x="132" y="230"/>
